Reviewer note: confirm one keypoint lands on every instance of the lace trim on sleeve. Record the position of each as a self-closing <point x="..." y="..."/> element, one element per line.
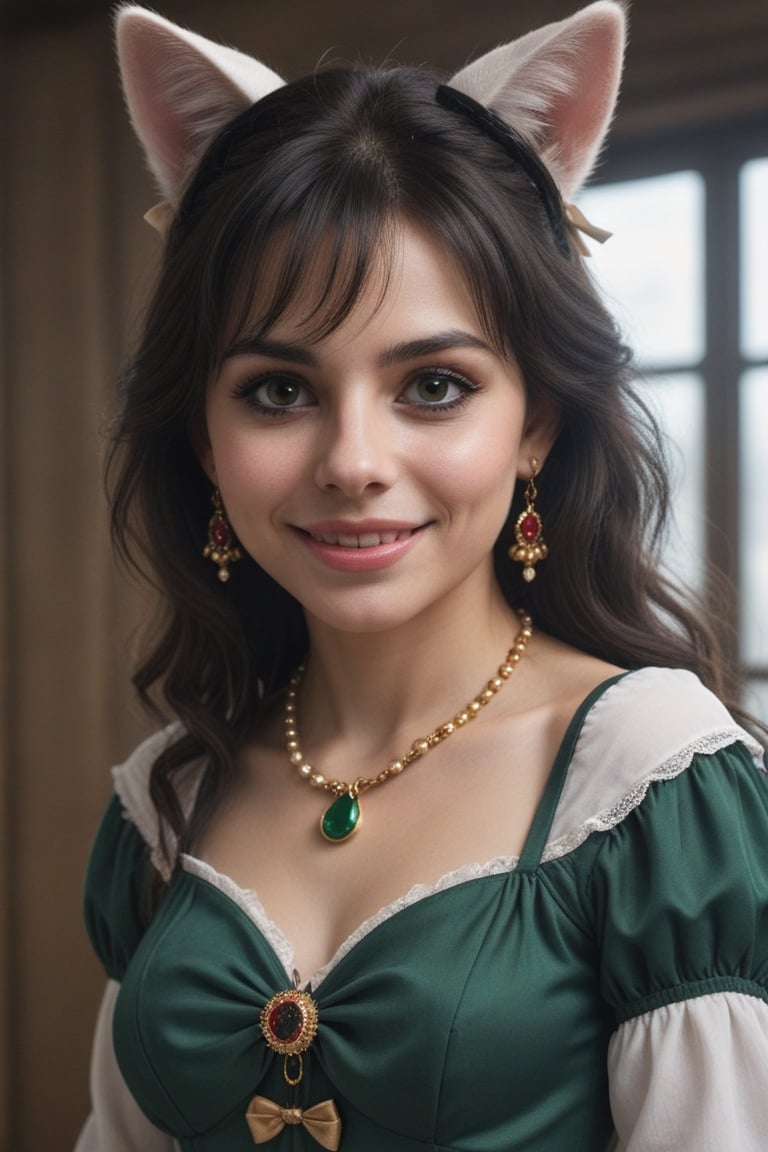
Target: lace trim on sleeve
<point x="613" y="815"/>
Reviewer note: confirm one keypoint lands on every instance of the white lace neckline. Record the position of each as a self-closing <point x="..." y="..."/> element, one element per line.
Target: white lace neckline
<point x="248" y="901"/>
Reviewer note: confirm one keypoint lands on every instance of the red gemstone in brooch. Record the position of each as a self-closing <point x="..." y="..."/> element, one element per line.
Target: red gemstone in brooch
<point x="289" y="1022"/>
<point x="289" y="1025"/>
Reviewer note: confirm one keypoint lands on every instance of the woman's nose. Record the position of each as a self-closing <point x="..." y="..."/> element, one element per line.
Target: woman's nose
<point x="357" y="452"/>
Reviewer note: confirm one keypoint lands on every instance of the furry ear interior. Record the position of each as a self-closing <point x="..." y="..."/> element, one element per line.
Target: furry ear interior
<point x="558" y="87"/>
<point x="181" y="90"/>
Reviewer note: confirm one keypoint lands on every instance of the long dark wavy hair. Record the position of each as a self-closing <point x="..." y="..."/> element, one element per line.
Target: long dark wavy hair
<point x="330" y="163"/>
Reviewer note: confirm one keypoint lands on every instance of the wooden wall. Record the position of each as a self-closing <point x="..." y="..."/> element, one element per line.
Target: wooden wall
<point x="66" y="708"/>
<point x="76" y="262"/>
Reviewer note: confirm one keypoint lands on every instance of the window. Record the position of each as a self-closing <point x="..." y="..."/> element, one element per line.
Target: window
<point x="686" y="273"/>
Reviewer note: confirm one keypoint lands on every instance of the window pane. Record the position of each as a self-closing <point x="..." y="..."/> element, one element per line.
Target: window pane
<point x="651" y="271"/>
<point x="754" y="258"/>
<point x="754" y="516"/>
<point x="678" y="402"/>
<point x="756" y="699"/>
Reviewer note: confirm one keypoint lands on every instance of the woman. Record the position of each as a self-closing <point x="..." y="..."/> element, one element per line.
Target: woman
<point x="448" y="846"/>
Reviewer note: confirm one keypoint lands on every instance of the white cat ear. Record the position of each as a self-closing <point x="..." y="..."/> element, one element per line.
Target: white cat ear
<point x="558" y="87"/>
<point x="181" y="90"/>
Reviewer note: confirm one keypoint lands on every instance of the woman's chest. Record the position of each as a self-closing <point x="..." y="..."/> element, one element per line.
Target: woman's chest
<point x="470" y="1011"/>
<point x="412" y="830"/>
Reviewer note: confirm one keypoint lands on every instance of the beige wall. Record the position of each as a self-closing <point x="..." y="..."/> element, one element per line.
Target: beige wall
<point x="76" y="261"/>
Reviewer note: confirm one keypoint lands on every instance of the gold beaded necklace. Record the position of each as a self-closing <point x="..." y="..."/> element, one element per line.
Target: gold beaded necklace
<point x="343" y="816"/>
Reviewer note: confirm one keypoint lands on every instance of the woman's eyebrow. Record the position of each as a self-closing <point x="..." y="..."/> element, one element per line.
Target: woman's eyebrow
<point x="405" y="350"/>
<point x="274" y="349"/>
<point x="430" y="345"/>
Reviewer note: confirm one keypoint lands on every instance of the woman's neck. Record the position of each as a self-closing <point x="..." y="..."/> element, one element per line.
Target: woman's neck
<point x="379" y="690"/>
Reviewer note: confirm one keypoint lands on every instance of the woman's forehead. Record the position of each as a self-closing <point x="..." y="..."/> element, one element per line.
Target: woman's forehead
<point x="346" y="282"/>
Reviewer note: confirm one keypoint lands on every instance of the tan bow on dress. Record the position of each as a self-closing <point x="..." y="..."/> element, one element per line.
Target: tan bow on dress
<point x="267" y="1119"/>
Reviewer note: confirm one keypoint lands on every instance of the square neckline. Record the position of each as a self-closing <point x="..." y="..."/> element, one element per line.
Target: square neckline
<point x="282" y="948"/>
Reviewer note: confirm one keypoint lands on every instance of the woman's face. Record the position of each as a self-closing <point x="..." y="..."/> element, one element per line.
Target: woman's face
<point x="370" y="471"/>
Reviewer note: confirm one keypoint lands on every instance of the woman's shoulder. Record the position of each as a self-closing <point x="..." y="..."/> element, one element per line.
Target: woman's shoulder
<point x="131" y="782"/>
<point x="648" y="716"/>
<point x="634" y="729"/>
<point x="126" y="848"/>
<point x="677" y="883"/>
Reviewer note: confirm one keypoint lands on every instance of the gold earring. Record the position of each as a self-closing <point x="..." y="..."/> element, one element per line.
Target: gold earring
<point x="530" y="546"/>
<point x="221" y="547"/>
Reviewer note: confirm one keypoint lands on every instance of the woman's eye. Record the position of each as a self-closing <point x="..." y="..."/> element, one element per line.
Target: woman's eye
<point x="438" y="390"/>
<point x="275" y="394"/>
<point x="279" y="393"/>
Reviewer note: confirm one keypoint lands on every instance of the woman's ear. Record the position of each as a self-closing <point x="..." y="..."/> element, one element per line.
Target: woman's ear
<point x="201" y="446"/>
<point x="542" y="427"/>
<point x="206" y="463"/>
<point x="557" y="86"/>
<point x="181" y="90"/>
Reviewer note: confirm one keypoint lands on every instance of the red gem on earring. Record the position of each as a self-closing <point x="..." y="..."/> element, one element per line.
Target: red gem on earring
<point x="220" y="533"/>
<point x="529" y="527"/>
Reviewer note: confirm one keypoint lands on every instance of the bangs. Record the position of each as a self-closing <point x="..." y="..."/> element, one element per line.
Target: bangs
<point x="320" y="263"/>
<point x="311" y="223"/>
<point x="299" y="206"/>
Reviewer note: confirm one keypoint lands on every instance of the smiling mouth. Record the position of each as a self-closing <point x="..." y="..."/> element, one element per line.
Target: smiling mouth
<point x="363" y="540"/>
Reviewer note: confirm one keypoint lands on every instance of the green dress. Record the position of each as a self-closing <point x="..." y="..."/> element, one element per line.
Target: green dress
<point x="479" y="1015"/>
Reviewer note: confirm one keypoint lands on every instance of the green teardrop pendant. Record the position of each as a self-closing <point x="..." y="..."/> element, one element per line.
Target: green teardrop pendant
<point x="341" y="819"/>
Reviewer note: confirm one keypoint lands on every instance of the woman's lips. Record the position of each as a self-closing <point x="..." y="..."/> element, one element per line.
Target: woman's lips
<point x="365" y="550"/>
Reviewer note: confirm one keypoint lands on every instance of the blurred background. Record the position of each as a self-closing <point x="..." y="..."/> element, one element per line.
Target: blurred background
<point x="684" y="187"/>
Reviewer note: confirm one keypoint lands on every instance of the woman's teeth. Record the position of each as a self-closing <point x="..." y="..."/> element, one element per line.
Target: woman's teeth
<point x="364" y="540"/>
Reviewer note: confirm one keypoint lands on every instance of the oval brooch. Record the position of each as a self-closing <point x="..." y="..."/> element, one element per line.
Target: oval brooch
<point x="289" y="1022"/>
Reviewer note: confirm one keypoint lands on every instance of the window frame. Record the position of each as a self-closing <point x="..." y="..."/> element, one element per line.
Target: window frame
<point x="718" y="155"/>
